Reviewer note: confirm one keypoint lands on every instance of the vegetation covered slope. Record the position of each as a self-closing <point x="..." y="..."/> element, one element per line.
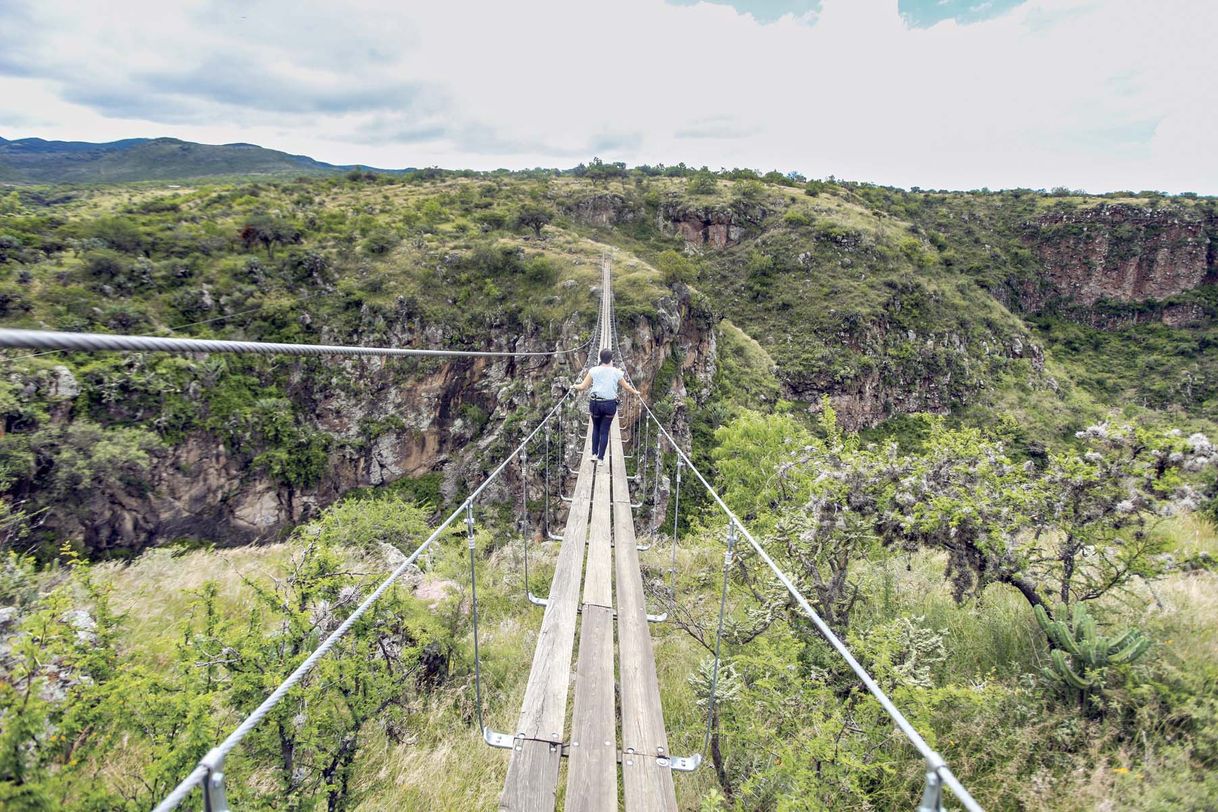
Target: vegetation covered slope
<point x="33" y="160"/>
<point x="901" y="393"/>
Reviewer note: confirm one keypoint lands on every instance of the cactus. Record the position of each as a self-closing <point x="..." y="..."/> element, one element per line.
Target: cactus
<point x="1089" y="651"/>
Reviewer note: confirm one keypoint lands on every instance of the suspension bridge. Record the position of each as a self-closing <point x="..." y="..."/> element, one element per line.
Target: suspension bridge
<point x="594" y="663"/>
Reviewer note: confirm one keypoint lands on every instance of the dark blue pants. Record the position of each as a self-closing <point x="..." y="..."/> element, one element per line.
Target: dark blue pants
<point x="602" y="412"/>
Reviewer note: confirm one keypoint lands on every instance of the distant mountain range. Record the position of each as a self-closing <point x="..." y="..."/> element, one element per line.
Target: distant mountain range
<point x="34" y="160"/>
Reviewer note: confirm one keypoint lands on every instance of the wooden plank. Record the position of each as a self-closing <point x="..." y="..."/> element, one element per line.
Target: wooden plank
<point x="532" y="780"/>
<point x="545" y="697"/>
<point x="647" y="786"/>
<point x="598" y="579"/>
<point x="592" y="771"/>
<point x="617" y="464"/>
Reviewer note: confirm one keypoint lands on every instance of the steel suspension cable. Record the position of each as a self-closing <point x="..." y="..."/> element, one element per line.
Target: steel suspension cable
<point x="936" y="766"/>
<point x="105" y="342"/>
<point x="209" y="772"/>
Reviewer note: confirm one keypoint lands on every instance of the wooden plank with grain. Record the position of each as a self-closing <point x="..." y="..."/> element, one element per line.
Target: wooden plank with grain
<point x="617" y="464"/>
<point x="598" y="577"/>
<point x="532" y="780"/>
<point x="592" y="770"/>
<point x="647" y="785"/>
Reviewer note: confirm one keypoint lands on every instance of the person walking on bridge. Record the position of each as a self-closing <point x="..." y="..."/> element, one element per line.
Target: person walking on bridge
<point x="604" y="381"/>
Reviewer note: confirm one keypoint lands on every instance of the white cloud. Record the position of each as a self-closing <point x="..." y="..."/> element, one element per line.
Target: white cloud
<point x="1082" y="93"/>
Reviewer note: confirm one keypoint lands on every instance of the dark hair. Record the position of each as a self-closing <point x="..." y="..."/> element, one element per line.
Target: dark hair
<point x="606" y="356"/>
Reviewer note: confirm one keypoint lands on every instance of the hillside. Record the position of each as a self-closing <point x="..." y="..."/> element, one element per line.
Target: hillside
<point x="33" y="160"/>
<point x="938" y="410"/>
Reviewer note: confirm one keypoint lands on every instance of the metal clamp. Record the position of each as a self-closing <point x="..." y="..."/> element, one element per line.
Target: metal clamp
<point x="932" y="792"/>
<point x="214" y="797"/>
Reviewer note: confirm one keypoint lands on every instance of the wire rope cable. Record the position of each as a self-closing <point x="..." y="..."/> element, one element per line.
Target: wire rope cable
<point x="106" y="342"/>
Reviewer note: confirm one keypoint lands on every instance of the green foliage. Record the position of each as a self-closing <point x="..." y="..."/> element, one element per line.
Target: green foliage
<point x="295" y="454"/>
<point x="90" y="725"/>
<point x="749" y="190"/>
<point x="366" y="523"/>
<point x="749" y="453"/>
<point x="1090" y="652"/>
<point x="701" y="182"/>
<point x="676" y="268"/>
<point x="534" y="217"/>
<point x="11" y="203"/>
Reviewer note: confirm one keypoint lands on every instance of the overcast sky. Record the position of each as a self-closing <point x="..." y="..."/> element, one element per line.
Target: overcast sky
<point x="1095" y="94"/>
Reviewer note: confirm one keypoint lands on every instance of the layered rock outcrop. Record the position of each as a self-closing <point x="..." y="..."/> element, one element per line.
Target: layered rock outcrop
<point x="1120" y="253"/>
<point x="713" y="226"/>
<point x="602" y="210"/>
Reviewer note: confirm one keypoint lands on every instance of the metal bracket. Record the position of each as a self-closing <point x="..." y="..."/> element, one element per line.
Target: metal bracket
<point x="496" y="739"/>
<point x="553" y="537"/>
<point x="536" y="601"/>
<point x="636" y="504"/>
<point x="682" y="764"/>
<point x="566" y="498"/>
<point x="932" y="792"/>
<point x="214" y="798"/>
<point x="573" y="470"/>
<point x="642" y="548"/>
<point x="657" y="618"/>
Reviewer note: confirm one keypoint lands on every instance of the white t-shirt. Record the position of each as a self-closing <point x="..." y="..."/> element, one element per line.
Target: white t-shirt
<point x="604" y="381"/>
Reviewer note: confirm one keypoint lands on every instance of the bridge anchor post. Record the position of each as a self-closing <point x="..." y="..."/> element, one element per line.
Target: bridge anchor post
<point x="932" y="792"/>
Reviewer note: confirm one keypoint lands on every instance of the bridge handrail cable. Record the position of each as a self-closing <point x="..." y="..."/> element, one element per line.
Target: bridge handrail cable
<point x="93" y="342"/>
<point x="937" y="769"/>
<point x="209" y="772"/>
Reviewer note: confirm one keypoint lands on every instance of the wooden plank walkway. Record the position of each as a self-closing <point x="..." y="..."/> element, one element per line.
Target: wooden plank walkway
<point x="592" y="771"/>
<point x="532" y="778"/>
<point x="647" y="785"/>
<point x="601" y="524"/>
<point x="613" y="725"/>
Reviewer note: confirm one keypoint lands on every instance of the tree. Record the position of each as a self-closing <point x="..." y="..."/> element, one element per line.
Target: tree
<point x="701" y="182"/>
<point x="534" y="217"/>
<point x="268" y="232"/>
<point x="676" y="268"/>
<point x="815" y="187"/>
<point x="812" y="496"/>
<point x="1071" y="533"/>
<point x="11" y="204"/>
<point x="313" y="737"/>
<point x="749" y="190"/>
<point x="598" y="171"/>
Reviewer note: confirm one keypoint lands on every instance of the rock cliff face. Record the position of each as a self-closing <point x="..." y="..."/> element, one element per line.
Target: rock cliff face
<point x="603" y="210"/>
<point x="1120" y="253"/>
<point x="438" y="417"/>
<point x="929" y="372"/>
<point x="711" y="226"/>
